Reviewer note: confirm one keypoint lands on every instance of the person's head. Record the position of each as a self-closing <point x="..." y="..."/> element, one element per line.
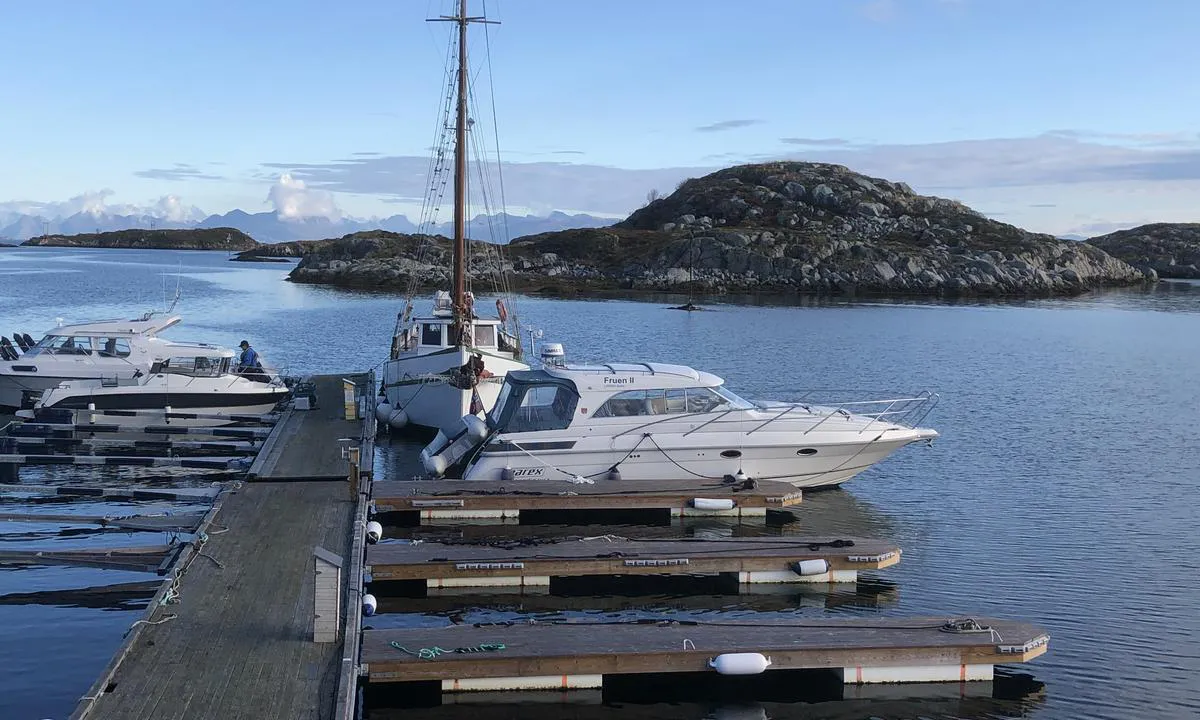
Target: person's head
<point x="244" y="344"/>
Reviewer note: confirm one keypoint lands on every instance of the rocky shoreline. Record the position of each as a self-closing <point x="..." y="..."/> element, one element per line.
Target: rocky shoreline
<point x="778" y="228"/>
<point x="226" y="239"/>
<point x="1171" y="250"/>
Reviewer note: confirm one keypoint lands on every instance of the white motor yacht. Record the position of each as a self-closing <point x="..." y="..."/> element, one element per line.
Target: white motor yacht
<point x="197" y="379"/>
<point x="452" y="361"/>
<point x="112" y="349"/>
<point x="651" y="421"/>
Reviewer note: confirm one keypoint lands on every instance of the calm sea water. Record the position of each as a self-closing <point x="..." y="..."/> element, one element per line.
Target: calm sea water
<point x="1063" y="489"/>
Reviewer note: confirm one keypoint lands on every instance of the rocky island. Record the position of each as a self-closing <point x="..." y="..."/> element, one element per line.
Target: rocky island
<point x="227" y="239"/>
<point x="784" y="227"/>
<point x="1172" y="250"/>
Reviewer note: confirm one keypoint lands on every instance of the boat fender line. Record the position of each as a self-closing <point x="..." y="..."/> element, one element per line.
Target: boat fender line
<point x="818" y="566"/>
<point x="740" y="663"/>
<point x="713" y="503"/>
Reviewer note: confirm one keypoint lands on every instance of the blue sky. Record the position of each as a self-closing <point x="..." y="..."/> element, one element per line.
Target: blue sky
<point x="1053" y="115"/>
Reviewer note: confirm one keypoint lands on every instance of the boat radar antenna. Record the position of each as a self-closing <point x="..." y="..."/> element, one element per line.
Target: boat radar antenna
<point x="534" y="335"/>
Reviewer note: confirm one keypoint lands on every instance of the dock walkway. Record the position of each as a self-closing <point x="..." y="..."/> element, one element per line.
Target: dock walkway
<point x="239" y="640"/>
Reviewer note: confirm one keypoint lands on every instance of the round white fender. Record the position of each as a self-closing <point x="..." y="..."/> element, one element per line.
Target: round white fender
<point x="374" y="531"/>
<point x="740" y="663"/>
<point x="383" y="411"/>
<point x="397" y="418"/>
<point x="819" y="566"/>
<point x="369" y="604"/>
<point x="713" y="503"/>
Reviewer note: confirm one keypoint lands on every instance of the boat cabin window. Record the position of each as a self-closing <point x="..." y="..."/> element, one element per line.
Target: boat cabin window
<point x="485" y="336"/>
<point x="63" y="345"/>
<point x="663" y="402"/>
<point x="530" y="408"/>
<point x="113" y="347"/>
<point x="199" y="366"/>
<point x="431" y="334"/>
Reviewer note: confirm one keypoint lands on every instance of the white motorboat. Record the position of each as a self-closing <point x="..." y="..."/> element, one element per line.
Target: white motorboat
<point x="197" y="379"/>
<point x="452" y="361"/>
<point x="112" y="349"/>
<point x="651" y="421"/>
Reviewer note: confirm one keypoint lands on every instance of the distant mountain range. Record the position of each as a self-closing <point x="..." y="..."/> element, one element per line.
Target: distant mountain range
<point x="268" y="227"/>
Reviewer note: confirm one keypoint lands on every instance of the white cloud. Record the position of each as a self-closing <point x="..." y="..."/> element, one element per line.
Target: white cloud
<point x="293" y="200"/>
<point x="95" y="203"/>
<point x="170" y="207"/>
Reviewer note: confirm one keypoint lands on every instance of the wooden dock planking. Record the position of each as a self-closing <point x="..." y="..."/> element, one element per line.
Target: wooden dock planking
<point x="463" y="499"/>
<point x="240" y="639"/>
<point x="579" y="654"/>
<point x="764" y="559"/>
<point x="303" y="444"/>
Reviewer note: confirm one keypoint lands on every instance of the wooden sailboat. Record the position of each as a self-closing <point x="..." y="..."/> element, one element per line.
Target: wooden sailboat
<point x="452" y="361"/>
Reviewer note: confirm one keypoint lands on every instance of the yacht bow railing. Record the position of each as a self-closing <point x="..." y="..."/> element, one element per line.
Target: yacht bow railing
<point x="906" y="412"/>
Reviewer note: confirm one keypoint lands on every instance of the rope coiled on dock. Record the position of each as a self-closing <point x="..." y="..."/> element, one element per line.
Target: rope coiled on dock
<point x="432" y="652"/>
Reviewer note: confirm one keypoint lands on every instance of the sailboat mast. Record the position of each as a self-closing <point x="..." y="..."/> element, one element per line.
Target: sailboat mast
<point x="461" y="317"/>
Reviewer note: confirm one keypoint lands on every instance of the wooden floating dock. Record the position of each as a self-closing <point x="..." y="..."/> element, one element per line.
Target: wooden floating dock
<point x="161" y="522"/>
<point x="230" y="447"/>
<point x="234" y="629"/>
<point x="196" y="463"/>
<point x="453" y="500"/>
<point x="557" y="656"/>
<point x="130" y="492"/>
<point x="752" y="560"/>
<point x="154" y="559"/>
<point x="304" y="444"/>
<point x="38" y="429"/>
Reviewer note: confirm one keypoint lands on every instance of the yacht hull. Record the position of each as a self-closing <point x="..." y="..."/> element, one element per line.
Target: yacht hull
<point x="15" y="387"/>
<point x="418" y="385"/>
<point x="677" y="457"/>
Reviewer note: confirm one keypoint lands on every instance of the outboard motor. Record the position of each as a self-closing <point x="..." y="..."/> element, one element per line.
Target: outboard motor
<point x="445" y="452"/>
<point x="7" y="351"/>
<point x="20" y="341"/>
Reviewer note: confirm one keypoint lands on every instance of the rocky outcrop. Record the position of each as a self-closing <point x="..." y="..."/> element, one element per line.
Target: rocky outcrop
<point x="278" y="252"/>
<point x="379" y="259"/>
<point x="1172" y="250"/>
<point x="227" y="239"/>
<point x="777" y="227"/>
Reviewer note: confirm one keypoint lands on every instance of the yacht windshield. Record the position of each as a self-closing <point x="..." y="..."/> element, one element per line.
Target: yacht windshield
<point x="532" y="408"/>
<point x="736" y="402"/>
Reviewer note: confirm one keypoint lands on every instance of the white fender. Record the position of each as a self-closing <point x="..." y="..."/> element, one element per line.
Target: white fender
<point x="740" y="663"/>
<point x="374" y="531"/>
<point x="819" y="566"/>
<point x="383" y="411"/>
<point x="369" y="604"/>
<point x="397" y="419"/>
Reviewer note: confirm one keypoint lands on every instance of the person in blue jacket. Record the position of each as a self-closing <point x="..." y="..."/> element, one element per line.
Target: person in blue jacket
<point x="248" y="363"/>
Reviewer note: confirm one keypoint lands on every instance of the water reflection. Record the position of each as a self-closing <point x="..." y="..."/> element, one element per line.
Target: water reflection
<point x="776" y="695"/>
